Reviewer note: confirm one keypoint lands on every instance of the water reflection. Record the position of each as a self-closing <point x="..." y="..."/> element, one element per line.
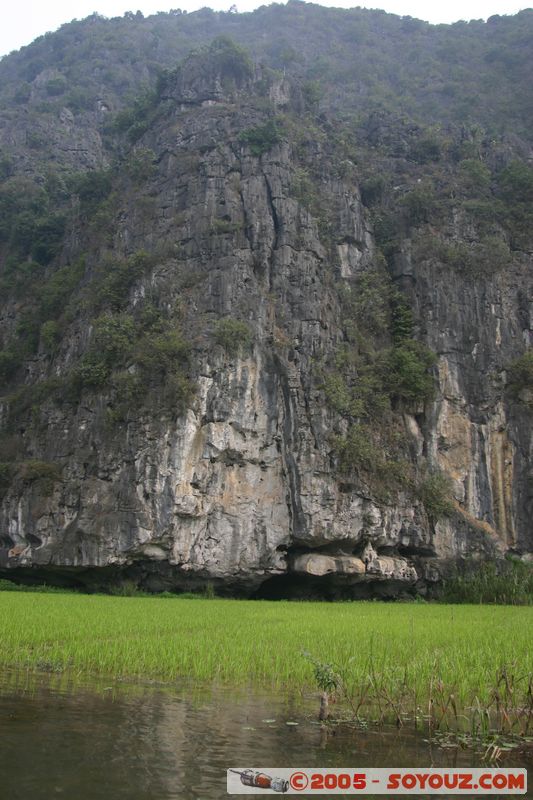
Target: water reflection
<point x="61" y="738"/>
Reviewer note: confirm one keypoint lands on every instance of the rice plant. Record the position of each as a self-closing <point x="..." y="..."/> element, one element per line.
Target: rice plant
<point x="397" y="661"/>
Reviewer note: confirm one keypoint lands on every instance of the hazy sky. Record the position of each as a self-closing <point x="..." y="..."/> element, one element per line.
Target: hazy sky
<point x="27" y="19"/>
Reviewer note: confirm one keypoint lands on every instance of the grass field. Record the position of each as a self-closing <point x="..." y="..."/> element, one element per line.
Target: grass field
<point x="390" y="653"/>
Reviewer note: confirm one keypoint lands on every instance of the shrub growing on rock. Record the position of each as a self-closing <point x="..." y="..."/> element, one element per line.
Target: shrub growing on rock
<point x="232" y="334"/>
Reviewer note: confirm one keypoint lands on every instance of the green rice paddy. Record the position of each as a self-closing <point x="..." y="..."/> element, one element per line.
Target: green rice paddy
<point x="419" y="650"/>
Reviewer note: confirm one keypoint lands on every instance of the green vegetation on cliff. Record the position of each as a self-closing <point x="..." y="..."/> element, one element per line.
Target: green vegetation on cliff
<point x="440" y="73"/>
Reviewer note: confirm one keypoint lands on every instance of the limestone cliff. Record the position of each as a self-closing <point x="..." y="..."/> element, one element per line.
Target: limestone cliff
<point x="237" y="219"/>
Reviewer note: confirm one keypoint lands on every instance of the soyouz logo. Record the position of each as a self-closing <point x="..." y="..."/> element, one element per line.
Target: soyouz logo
<point x="481" y="781"/>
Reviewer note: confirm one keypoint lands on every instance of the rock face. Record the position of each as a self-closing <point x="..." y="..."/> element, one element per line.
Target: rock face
<point x="476" y="327"/>
<point x="243" y="488"/>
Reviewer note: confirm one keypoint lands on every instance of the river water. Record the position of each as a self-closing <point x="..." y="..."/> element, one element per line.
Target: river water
<point x="60" y="738"/>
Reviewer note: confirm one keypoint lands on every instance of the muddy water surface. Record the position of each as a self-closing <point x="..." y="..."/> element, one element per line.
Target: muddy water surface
<point x="60" y="738"/>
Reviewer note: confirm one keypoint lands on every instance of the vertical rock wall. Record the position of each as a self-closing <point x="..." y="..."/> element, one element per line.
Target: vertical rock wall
<point x="243" y="488"/>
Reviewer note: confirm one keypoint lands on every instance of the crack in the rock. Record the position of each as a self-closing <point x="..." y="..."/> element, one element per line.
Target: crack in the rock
<point x="277" y="231"/>
<point x="296" y="516"/>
